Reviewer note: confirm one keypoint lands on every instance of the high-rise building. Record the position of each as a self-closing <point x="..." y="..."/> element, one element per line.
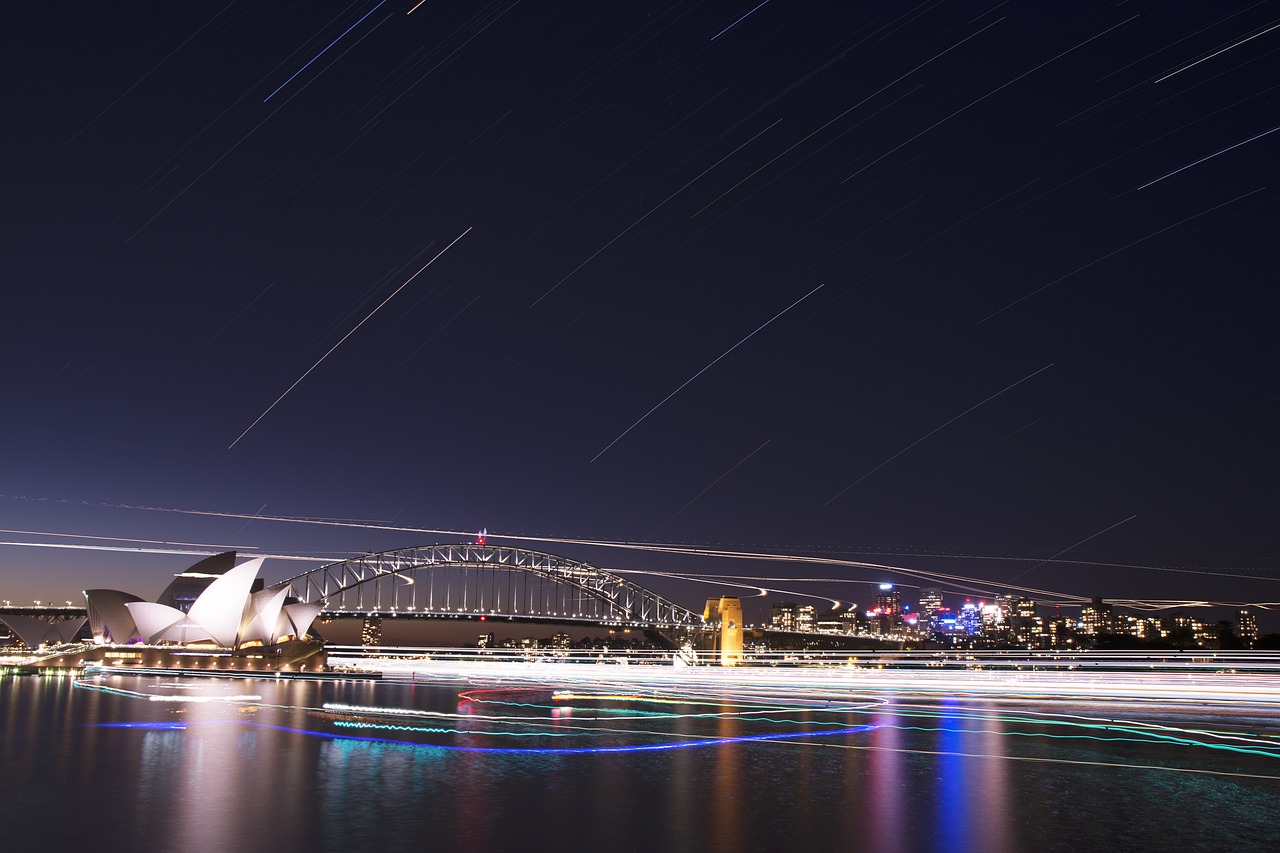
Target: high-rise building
<point x="888" y="600"/>
<point x="371" y="633"/>
<point x="1095" y="618"/>
<point x="790" y="616"/>
<point x="930" y="603"/>
<point x="485" y="641"/>
<point x="1248" y="629"/>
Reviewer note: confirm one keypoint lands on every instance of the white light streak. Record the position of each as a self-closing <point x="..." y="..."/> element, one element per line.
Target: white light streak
<point x="1065" y="550"/>
<point x="1215" y="53"/>
<point x="1210" y="157"/>
<point x="344" y="338"/>
<point x="926" y="435"/>
<point x="652" y="210"/>
<point x="739" y="21"/>
<point x="1022" y="299"/>
<point x="704" y="370"/>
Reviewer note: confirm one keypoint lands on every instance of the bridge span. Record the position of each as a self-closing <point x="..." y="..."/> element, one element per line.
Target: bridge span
<point x="473" y="581"/>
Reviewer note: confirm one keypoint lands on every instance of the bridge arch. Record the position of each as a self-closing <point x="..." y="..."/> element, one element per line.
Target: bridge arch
<point x="471" y="580"/>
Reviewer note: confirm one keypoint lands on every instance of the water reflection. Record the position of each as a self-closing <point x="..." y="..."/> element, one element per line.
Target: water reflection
<point x="927" y="776"/>
<point x="726" y="796"/>
<point x="885" y="828"/>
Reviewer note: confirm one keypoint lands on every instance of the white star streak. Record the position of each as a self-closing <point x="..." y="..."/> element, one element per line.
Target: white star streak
<point x="347" y="335"/>
<point x="846" y="112"/>
<point x="1210" y="157"/>
<point x="1114" y="252"/>
<point x="983" y="98"/>
<point x="739" y="21"/>
<point x="652" y="210"/>
<point x="926" y="435"/>
<point x="704" y="370"/>
<point x="717" y="480"/>
<point x="1065" y="550"/>
<point x="1216" y="53"/>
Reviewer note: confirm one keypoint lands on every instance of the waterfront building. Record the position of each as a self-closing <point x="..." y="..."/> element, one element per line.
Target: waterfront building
<point x="790" y="616"/>
<point x="849" y="621"/>
<point x="232" y="610"/>
<point x="371" y="631"/>
<point x="1247" y="629"/>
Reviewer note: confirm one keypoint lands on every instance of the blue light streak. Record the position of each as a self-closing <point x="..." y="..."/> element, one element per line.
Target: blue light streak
<point x="321" y="53"/>
<point x="501" y="750"/>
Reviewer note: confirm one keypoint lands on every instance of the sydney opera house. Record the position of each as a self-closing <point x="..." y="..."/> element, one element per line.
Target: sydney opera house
<point x="213" y="615"/>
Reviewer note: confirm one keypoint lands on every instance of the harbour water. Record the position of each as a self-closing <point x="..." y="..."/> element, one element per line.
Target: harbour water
<point x="542" y="758"/>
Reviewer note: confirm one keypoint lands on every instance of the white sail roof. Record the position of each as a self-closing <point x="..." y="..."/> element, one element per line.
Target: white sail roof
<point x="220" y="608"/>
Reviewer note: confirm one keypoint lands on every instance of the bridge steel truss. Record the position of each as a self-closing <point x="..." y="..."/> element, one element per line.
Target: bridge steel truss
<point x="471" y="580"/>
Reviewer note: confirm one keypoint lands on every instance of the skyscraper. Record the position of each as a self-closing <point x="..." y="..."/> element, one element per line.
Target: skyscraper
<point x="1248" y="629"/>
<point x="930" y="603"/>
<point x="888" y="600"/>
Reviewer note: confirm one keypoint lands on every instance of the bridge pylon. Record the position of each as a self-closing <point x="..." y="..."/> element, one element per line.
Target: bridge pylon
<point x="725" y="613"/>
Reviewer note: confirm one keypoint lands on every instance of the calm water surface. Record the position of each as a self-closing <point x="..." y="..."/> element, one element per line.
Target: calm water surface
<point x="155" y="763"/>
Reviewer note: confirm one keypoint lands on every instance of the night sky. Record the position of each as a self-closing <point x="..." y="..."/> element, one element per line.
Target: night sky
<point x="955" y="286"/>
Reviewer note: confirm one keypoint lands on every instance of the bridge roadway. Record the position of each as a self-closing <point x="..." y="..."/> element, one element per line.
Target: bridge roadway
<point x="63" y="612"/>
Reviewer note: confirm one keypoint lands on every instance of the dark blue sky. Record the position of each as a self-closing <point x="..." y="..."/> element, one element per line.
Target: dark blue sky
<point x="1031" y="326"/>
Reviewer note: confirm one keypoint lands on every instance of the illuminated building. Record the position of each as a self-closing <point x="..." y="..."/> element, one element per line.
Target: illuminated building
<point x="560" y="641"/>
<point x="790" y="616"/>
<point x="371" y="631"/>
<point x="887" y="615"/>
<point x="1022" y="620"/>
<point x="930" y="603"/>
<point x="1205" y="633"/>
<point x="485" y="641"/>
<point x="231" y="611"/>
<point x="188" y="585"/>
<point x="1248" y="629"/>
<point x="1095" y="618"/>
<point x="888" y="600"/>
<point x="970" y="619"/>
<point x="993" y="620"/>
<point x="1057" y="631"/>
<point x="945" y="622"/>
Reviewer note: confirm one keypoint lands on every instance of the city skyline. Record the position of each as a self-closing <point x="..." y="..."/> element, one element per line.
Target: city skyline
<point x="985" y="291"/>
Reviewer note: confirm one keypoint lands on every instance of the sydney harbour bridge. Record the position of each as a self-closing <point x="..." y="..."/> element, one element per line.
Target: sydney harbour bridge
<point x="473" y="580"/>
